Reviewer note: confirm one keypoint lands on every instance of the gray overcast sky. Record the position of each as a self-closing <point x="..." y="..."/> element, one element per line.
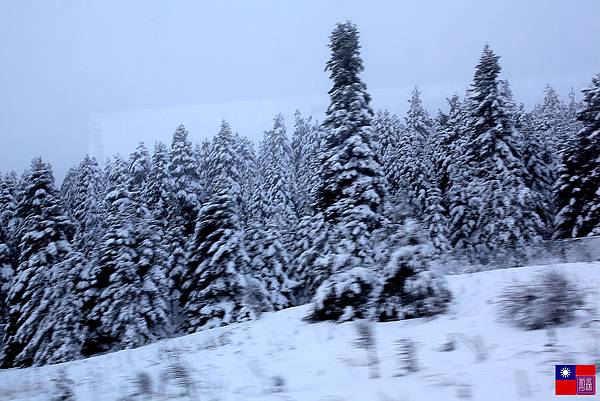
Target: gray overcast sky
<point x="64" y="62"/>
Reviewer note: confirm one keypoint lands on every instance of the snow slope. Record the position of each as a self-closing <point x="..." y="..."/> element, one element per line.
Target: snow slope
<point x="280" y="357"/>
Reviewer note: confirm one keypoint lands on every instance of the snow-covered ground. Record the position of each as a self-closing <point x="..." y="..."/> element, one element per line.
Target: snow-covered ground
<point x="281" y="357"/>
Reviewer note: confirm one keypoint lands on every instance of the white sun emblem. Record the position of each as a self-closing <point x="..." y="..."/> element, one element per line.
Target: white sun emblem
<point x="565" y="372"/>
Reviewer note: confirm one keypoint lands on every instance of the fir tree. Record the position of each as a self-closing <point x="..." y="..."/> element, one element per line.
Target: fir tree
<point x="277" y="179"/>
<point x="129" y="289"/>
<point x="87" y="206"/>
<point x="157" y="192"/>
<point x="549" y="122"/>
<point x="306" y="143"/>
<point x="422" y="162"/>
<point x="504" y="204"/>
<point x="450" y="140"/>
<point x="393" y="146"/>
<point x="541" y="168"/>
<point x="68" y="190"/>
<point x="202" y="153"/>
<point x="8" y="243"/>
<point x="270" y="261"/>
<point x="313" y="242"/>
<point x="579" y="182"/>
<point x="436" y="218"/>
<point x="42" y="325"/>
<point x="416" y="159"/>
<point x="277" y="174"/>
<point x="7" y="255"/>
<point x="462" y="209"/>
<point x="65" y="333"/>
<point x="352" y="183"/>
<point x="351" y="176"/>
<point x="218" y="288"/>
<point x="184" y="180"/>
<point x="406" y="287"/>
<point x="139" y="168"/>
<point x="246" y="166"/>
<point x="572" y="124"/>
<point x="506" y="93"/>
<point x="221" y="161"/>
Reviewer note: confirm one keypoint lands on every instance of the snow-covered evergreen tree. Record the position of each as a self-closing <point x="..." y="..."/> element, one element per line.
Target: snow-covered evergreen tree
<point x="309" y="239"/>
<point x="218" y="287"/>
<point x="578" y="186"/>
<point x="436" y="218"/>
<point x="454" y="176"/>
<point x="277" y="174"/>
<point x="246" y="166"/>
<point x="393" y="148"/>
<point x="407" y="288"/>
<point x="7" y="250"/>
<point x="68" y="190"/>
<point x="270" y="261"/>
<point x="87" y="206"/>
<point x="541" y="165"/>
<point x="43" y="322"/>
<point x="506" y="93"/>
<point x="450" y="139"/>
<point x="64" y="333"/>
<point x="417" y="158"/>
<point x="128" y="289"/>
<point x="221" y="161"/>
<point x="313" y="241"/>
<point x="306" y="143"/>
<point x="506" y="207"/>
<point x="549" y="121"/>
<point x="572" y="123"/>
<point x="184" y="180"/>
<point x="202" y="153"/>
<point x="139" y="168"/>
<point x="352" y="183"/>
<point x="8" y="242"/>
<point x="280" y="219"/>
<point x="157" y="194"/>
<point x="157" y="198"/>
<point x="421" y="161"/>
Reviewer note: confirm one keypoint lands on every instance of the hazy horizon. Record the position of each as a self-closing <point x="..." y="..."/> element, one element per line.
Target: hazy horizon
<point x="138" y="69"/>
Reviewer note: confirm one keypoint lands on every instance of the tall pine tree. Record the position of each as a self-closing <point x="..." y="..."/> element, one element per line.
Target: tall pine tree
<point x="352" y="183"/>
<point x="8" y="253"/>
<point x="506" y="206"/>
<point x="273" y="234"/>
<point x="183" y="184"/>
<point x="306" y="143"/>
<point x="87" y="206"/>
<point x="128" y="291"/>
<point x="578" y="186"/>
<point x="43" y="313"/>
<point x="218" y="288"/>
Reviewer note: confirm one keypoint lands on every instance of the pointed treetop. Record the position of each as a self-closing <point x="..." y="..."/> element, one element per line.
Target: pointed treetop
<point x="487" y="69"/>
<point x="345" y="63"/>
<point x="416" y="112"/>
<point x="41" y="172"/>
<point x="454" y="104"/>
<point x="551" y="99"/>
<point x="180" y="130"/>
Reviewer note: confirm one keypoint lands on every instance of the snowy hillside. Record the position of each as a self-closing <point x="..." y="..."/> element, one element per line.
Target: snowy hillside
<point x="281" y="357"/>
